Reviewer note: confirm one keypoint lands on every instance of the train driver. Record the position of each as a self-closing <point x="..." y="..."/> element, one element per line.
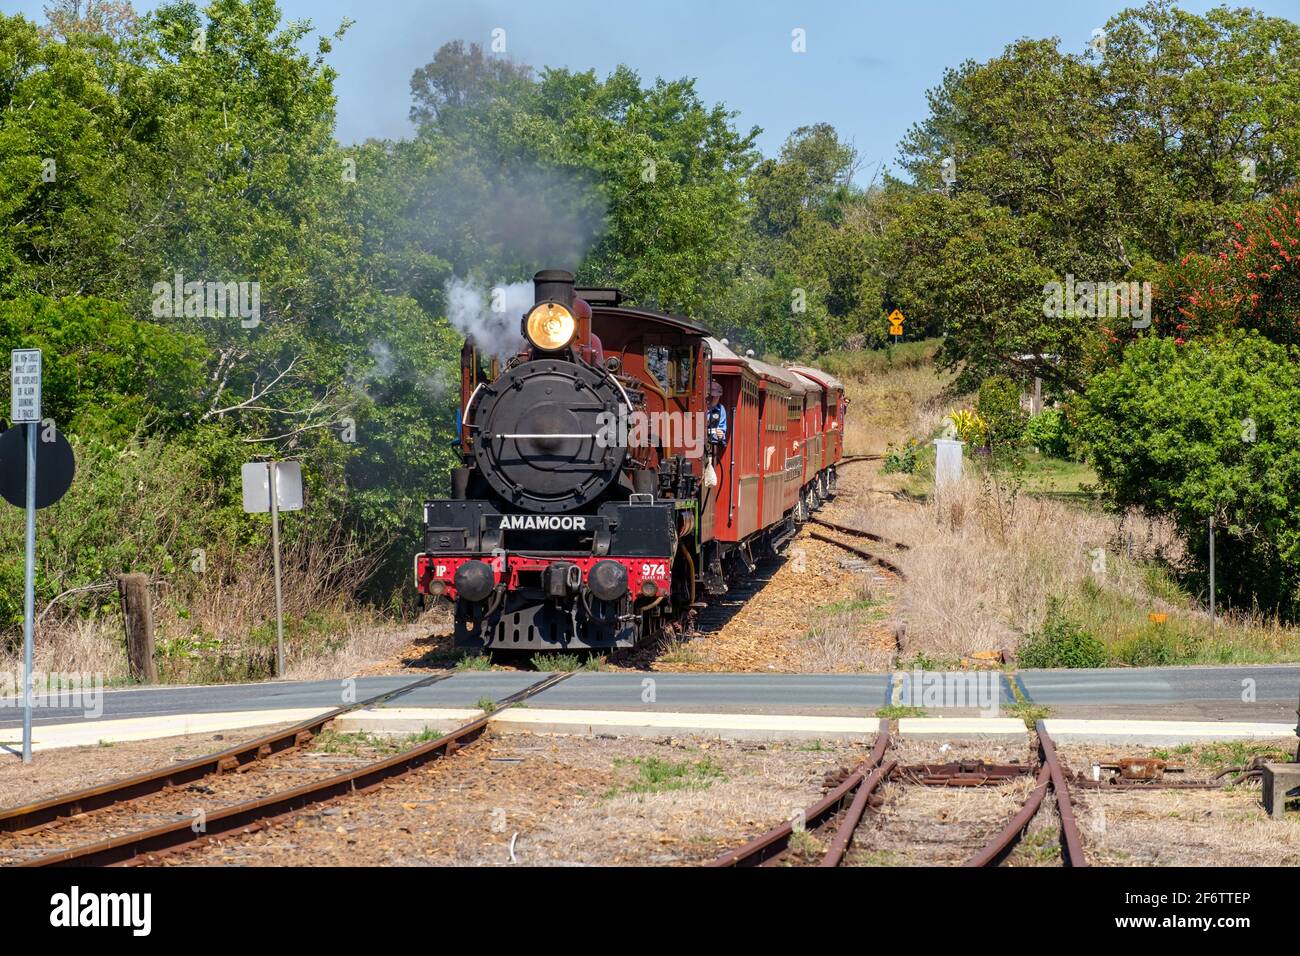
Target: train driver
<point x="717" y="420"/>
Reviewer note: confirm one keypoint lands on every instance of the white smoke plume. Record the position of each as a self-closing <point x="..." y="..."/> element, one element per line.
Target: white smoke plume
<point x="489" y="316"/>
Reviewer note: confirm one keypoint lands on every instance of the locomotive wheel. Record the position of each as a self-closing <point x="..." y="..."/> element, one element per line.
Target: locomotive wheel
<point x="683" y="582"/>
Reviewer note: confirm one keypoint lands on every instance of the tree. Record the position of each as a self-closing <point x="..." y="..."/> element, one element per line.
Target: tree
<point x="1101" y="167"/>
<point x="1252" y="283"/>
<point x="113" y="18"/>
<point x="105" y="372"/>
<point x="1208" y="429"/>
<point x="461" y="80"/>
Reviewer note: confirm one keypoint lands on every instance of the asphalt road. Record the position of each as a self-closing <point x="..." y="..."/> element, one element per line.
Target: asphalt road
<point x="1265" y="693"/>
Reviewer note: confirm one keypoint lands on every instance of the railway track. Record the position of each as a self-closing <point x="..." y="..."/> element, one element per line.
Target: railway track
<point x="870" y="536"/>
<point x="834" y="817"/>
<point x="834" y="820"/>
<point x="187" y="830"/>
<point x="1050" y="776"/>
<point x="855" y="549"/>
<point x="44" y="813"/>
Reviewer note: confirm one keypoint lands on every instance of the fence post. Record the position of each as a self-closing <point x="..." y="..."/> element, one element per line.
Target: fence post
<point x="137" y="613"/>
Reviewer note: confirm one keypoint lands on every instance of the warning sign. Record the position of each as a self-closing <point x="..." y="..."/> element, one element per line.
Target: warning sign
<point x="25" y="381"/>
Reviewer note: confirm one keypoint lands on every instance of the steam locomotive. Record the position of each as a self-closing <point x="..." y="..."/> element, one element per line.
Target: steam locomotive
<point x="591" y="508"/>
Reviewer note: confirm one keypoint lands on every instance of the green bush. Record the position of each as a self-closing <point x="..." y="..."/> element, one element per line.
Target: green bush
<point x="1061" y="643"/>
<point x="1208" y="427"/>
<point x="900" y="459"/>
<point x="1151" y="648"/>
<point x="999" y="405"/>
<point x="1050" y="433"/>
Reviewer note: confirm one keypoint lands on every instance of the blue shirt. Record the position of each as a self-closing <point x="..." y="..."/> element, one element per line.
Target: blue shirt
<point x="717" y="420"/>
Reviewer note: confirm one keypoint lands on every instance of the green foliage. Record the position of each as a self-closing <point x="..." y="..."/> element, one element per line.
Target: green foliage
<point x="563" y="663"/>
<point x="861" y="365"/>
<point x="1209" y="428"/>
<point x="1061" y="643"/>
<point x="999" y="406"/>
<point x="971" y="428"/>
<point x="143" y="506"/>
<point x="1049" y="142"/>
<point x="901" y="460"/>
<point x="105" y="373"/>
<point x="1154" y="647"/>
<point x="1050" y="432"/>
<point x="1253" y="282"/>
<point x="655" y="775"/>
<point x="898" y="712"/>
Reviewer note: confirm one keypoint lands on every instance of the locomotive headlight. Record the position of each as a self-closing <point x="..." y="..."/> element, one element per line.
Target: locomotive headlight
<point x="550" y="326"/>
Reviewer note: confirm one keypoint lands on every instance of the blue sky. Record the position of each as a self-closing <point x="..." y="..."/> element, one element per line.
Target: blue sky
<point x="866" y="69"/>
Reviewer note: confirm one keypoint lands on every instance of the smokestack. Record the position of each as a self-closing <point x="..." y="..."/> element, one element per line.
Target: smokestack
<point x="555" y="285"/>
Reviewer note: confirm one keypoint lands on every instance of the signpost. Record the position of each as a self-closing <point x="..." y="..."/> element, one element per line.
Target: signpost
<point x="896" y="324"/>
<point x="25" y="407"/>
<point x="274" y="486"/>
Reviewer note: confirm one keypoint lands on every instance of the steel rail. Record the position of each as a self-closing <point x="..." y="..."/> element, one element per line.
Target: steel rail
<point x="843" y="838"/>
<point x="774" y="845"/>
<point x="1001" y="845"/>
<point x="1050" y="775"/>
<point x="46" y="812"/>
<point x="257" y="813"/>
<point x="845" y="529"/>
<point x="865" y="555"/>
<point x="1071" y="842"/>
<point x="854" y="459"/>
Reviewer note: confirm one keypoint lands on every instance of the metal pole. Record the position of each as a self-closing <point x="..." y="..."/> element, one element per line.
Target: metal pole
<point x="275" y="546"/>
<point x="1211" y="573"/>
<point x="29" y="592"/>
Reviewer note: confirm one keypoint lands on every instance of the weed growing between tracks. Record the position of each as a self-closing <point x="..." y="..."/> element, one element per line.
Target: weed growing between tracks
<point x="655" y="775"/>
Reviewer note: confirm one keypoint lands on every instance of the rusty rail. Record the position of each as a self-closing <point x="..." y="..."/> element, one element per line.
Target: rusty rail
<point x="845" y="529"/>
<point x="865" y="555"/>
<point x="854" y="459"/>
<point x="843" y="838"/>
<point x="1001" y="845"/>
<point x="253" y="814"/>
<point x="43" y="813"/>
<point x="853" y="792"/>
<point x="1050" y="775"/>
<point x="1071" y="841"/>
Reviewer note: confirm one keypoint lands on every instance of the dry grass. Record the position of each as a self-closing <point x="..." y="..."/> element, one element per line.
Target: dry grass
<point x="984" y="563"/>
<point x="845" y="637"/>
<point x="223" y="626"/>
<point x="988" y="558"/>
<point x="889" y="407"/>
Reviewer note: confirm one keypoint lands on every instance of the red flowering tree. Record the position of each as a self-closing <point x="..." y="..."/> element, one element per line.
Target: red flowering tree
<point x="1252" y="284"/>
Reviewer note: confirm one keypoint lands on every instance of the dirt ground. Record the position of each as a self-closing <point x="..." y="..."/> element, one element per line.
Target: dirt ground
<point x="554" y="801"/>
<point x="1224" y="827"/>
